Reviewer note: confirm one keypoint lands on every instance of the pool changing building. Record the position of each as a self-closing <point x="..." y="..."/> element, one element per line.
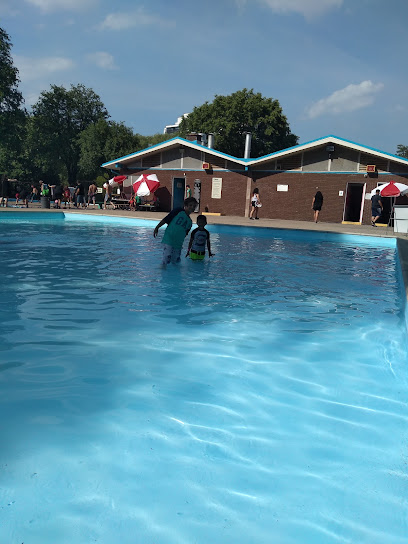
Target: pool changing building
<point x="344" y="171"/>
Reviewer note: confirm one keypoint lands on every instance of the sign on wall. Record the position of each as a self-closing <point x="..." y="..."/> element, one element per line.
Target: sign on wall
<point x="216" y="188"/>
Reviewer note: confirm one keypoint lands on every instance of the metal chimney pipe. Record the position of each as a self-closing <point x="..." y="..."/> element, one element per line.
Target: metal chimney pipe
<point x="248" y="140"/>
<point x="210" y="141"/>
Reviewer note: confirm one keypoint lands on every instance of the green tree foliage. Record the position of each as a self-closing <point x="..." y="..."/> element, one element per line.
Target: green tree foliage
<point x="229" y="117"/>
<point x="154" y="139"/>
<point x="30" y="164"/>
<point x="12" y="114"/>
<point x="103" y="141"/>
<point x="11" y="99"/>
<point x="59" y="118"/>
<point x="402" y="151"/>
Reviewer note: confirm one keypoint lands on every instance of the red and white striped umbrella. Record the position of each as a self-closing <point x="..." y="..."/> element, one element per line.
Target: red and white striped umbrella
<point x="117" y="180"/>
<point x="391" y="189"/>
<point x="146" y="184"/>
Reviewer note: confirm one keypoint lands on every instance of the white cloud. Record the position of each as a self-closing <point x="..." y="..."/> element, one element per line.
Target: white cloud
<point x="102" y="59"/>
<point x="67" y="5"/>
<point x="32" y="69"/>
<point x="122" y="21"/>
<point x="310" y="9"/>
<point x="351" y="98"/>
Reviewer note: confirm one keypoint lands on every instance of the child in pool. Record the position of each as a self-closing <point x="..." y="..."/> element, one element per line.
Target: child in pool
<point x="178" y="226"/>
<point x="200" y="237"/>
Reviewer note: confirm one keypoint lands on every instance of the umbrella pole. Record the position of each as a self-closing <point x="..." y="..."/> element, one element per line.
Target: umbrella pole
<point x="392" y="212"/>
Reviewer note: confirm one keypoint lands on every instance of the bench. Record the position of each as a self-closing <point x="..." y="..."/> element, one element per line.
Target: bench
<point x="147" y="208"/>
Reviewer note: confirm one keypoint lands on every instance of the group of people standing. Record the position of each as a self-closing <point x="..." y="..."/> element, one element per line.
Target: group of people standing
<point x="256" y="203"/>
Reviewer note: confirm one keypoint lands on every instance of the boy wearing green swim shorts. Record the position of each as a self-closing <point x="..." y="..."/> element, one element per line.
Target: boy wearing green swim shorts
<point x="178" y="226"/>
<point x="200" y="237"/>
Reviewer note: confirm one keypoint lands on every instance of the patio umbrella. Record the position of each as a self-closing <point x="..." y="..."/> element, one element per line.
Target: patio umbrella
<point x="391" y="189"/>
<point x="146" y="184"/>
<point x="117" y="180"/>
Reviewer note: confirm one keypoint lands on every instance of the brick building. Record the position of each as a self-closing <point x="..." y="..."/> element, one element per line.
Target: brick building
<point x="344" y="171"/>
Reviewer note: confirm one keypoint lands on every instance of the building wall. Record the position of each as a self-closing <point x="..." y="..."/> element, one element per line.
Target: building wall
<point x="344" y="160"/>
<point x="315" y="159"/>
<point x="295" y="204"/>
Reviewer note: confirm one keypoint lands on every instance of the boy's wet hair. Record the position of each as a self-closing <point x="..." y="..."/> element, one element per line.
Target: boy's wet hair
<point x="201" y="218"/>
<point x="190" y="199"/>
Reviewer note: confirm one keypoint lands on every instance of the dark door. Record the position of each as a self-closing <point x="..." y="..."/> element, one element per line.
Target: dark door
<point x="353" y="205"/>
<point x="197" y="193"/>
<point x="179" y="189"/>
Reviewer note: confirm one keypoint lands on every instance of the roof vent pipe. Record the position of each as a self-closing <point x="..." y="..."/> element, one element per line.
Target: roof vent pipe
<point x="210" y="141"/>
<point x="248" y="140"/>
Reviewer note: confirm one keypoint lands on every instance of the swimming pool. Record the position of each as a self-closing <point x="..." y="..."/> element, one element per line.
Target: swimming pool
<point x="259" y="397"/>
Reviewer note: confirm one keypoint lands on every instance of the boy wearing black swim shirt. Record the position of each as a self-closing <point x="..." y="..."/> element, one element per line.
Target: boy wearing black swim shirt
<point x="200" y="237"/>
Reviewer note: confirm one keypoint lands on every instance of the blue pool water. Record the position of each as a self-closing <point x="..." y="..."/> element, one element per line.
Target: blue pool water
<point x="260" y="397"/>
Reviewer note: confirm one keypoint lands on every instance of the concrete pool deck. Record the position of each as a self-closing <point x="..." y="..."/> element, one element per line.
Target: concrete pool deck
<point x="360" y="230"/>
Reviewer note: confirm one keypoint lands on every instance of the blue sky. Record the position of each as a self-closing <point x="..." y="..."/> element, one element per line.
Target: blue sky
<point x="336" y="66"/>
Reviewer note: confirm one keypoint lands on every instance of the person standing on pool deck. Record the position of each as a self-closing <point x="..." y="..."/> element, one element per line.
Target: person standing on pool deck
<point x="178" y="226"/>
<point x="255" y="204"/>
<point x="188" y="191"/>
<point x="317" y="204"/>
<point x="80" y="195"/>
<point x="4" y="187"/>
<point x="92" y="190"/>
<point x="376" y="207"/>
<point x="200" y="237"/>
<point x="108" y="194"/>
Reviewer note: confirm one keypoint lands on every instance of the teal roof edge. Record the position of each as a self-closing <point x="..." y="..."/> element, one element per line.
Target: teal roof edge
<point x="251" y="161"/>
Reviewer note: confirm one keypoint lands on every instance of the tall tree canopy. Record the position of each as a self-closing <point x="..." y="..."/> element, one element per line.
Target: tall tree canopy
<point x="12" y="114"/>
<point x="103" y="141"/>
<point x="402" y="151"/>
<point x="229" y="117"/>
<point x="60" y="116"/>
<point x="11" y="99"/>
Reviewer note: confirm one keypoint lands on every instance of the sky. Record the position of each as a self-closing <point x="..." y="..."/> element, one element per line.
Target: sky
<point x="335" y="66"/>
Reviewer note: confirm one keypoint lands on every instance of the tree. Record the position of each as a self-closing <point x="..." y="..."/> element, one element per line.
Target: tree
<point x="29" y="163"/>
<point x="229" y="117"/>
<point x="12" y="114"/>
<point x="11" y="99"/>
<point x="154" y="139"/>
<point x="103" y="141"/>
<point x="402" y="151"/>
<point x="60" y="116"/>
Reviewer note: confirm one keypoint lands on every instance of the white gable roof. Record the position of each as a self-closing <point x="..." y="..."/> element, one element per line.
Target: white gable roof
<point x="324" y="141"/>
<point x="176" y="142"/>
<point x="169" y="144"/>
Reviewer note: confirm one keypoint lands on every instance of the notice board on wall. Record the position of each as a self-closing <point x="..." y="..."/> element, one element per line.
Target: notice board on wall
<point x="216" y="188"/>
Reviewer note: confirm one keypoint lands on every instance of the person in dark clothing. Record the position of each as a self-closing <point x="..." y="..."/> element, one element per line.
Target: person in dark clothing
<point x="376" y="207"/>
<point x="80" y="195"/>
<point x="317" y="204"/>
<point x="24" y="195"/>
<point x="57" y="196"/>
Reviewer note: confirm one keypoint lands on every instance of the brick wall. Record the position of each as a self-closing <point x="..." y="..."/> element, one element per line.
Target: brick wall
<point x="295" y="204"/>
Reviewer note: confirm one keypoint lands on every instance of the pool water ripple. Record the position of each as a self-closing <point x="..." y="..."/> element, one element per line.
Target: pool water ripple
<point x="259" y="397"/>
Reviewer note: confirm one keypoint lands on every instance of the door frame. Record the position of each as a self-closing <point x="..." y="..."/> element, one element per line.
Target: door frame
<point x="178" y="178"/>
<point x="360" y="221"/>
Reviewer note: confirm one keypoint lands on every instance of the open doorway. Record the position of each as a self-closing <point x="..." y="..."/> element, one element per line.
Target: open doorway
<point x="354" y="203"/>
<point x="179" y="190"/>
